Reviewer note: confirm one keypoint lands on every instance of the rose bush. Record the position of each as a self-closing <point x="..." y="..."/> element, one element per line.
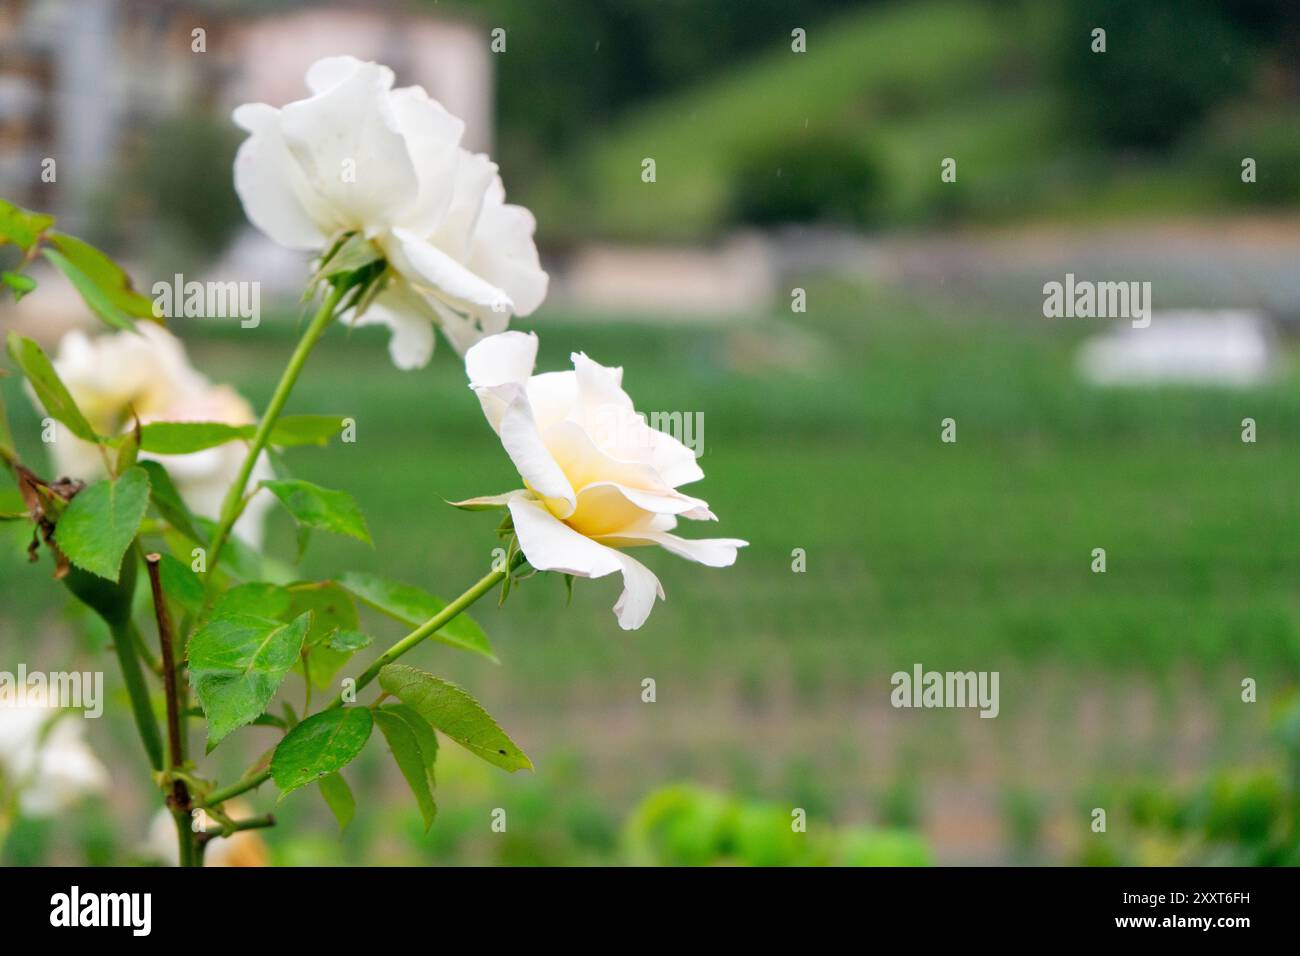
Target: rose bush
<point x="410" y="230"/>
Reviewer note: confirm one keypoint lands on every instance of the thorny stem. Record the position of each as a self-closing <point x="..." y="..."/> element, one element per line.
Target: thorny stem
<point x="179" y="802"/>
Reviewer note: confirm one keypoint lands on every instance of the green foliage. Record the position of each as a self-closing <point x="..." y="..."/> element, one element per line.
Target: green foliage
<point x="100" y="278"/>
<point x="102" y="284"/>
<point x="51" y="391"/>
<point x="168" y="503"/>
<point x="404" y="730"/>
<point x="338" y="797"/>
<point x="237" y="662"/>
<point x="322" y="508"/>
<point x="684" y="825"/>
<point x="102" y="520"/>
<point x="333" y="637"/>
<point x="806" y="176"/>
<point x="22" y="227"/>
<point x="291" y="430"/>
<point x="321" y="745"/>
<point x="1167" y="62"/>
<point x="450" y="709"/>
<point x="413" y="606"/>
<point x="181" y="585"/>
<point x="110" y="599"/>
<point x="184" y="438"/>
<point x="20" y="284"/>
<point x="91" y="294"/>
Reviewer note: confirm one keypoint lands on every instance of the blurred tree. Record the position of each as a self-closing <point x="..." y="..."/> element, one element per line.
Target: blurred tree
<point x="1167" y="62"/>
<point x="818" y="176"/>
<point x="575" y="64"/>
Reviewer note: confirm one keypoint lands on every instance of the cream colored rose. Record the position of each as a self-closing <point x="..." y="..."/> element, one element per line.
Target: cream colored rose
<point x="597" y="478"/>
<point x="148" y="371"/>
<point x="358" y="155"/>
<point x="44" y="757"/>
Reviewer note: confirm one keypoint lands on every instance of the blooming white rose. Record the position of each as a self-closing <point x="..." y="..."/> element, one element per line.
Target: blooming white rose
<point x="44" y="758"/>
<point x="597" y="478"/>
<point x="147" y="371"/>
<point x="358" y="155"/>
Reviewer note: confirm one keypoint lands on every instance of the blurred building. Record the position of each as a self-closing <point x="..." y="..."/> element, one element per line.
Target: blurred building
<point x="80" y="78"/>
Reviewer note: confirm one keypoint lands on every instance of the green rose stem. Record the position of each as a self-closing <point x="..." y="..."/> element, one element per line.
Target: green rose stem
<point x="431" y="626"/>
<point x="235" y="501"/>
<point x="125" y="641"/>
<point x="179" y="802"/>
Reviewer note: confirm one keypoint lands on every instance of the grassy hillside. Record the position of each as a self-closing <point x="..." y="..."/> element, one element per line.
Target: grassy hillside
<point x="908" y="85"/>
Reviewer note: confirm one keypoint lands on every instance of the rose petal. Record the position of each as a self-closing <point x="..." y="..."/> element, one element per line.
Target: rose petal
<point x="270" y="184"/>
<point x="433" y="142"/>
<point x="411" y="321"/>
<point x="351" y="128"/>
<point x="551" y="545"/>
<point x="426" y="266"/>
<point x="523" y="443"/>
<point x="713" y="552"/>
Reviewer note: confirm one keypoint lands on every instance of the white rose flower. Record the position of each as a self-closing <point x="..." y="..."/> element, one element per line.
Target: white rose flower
<point x="360" y="156"/>
<point x="44" y="758"/>
<point x="148" y="371"/>
<point x="597" y="478"/>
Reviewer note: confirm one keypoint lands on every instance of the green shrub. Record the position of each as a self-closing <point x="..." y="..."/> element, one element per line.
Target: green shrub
<point x="807" y="177"/>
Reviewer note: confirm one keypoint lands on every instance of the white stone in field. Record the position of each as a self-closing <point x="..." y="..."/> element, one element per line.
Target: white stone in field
<point x="1233" y="348"/>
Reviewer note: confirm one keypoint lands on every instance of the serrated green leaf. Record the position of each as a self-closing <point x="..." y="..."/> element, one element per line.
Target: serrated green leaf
<point x="322" y="744"/>
<point x="51" y="391"/>
<point x="95" y="298"/>
<point x="315" y="507"/>
<point x="452" y="710"/>
<point x="292" y="430"/>
<point x="185" y="438"/>
<point x="414" y="606"/>
<point x="258" y="598"/>
<point x="101" y="522"/>
<point x="348" y="642"/>
<point x="20" y="226"/>
<point x="331" y="609"/>
<point x="424" y="733"/>
<point x="237" y="662"/>
<point x="410" y="761"/>
<point x="180" y="584"/>
<point x="167" y="500"/>
<point x="338" y="797"/>
<point x="108" y="277"/>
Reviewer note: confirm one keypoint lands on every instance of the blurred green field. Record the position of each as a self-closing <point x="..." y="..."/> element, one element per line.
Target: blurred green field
<point x="775" y="684"/>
